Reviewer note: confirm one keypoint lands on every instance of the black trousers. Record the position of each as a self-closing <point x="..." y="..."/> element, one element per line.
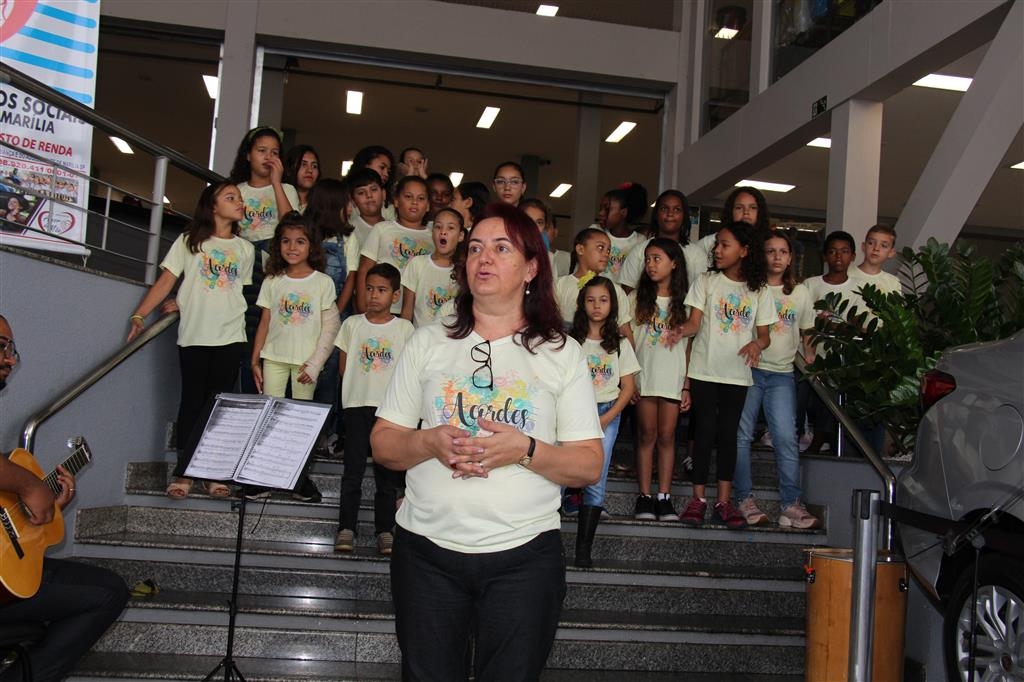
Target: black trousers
<point x="716" y="412"/>
<point x="389" y="484"/>
<point x="205" y="372"/>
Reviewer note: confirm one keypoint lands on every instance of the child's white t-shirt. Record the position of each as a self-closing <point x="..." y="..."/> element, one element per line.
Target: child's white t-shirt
<point x="662" y="369"/>
<point x="796" y="313"/>
<point x="391" y="243"/>
<point x="261" y="210"/>
<point x="887" y="283"/>
<point x="561" y="259"/>
<point x="210" y="297"/>
<point x="619" y="251"/>
<point x="433" y="285"/>
<point x="818" y="288"/>
<point x="606" y="369"/>
<point x="696" y="256"/>
<point x="295" y="306"/>
<point x="567" y="290"/>
<point x="371" y="353"/>
<point x="731" y="313"/>
<point x="546" y="394"/>
<point x="361" y="229"/>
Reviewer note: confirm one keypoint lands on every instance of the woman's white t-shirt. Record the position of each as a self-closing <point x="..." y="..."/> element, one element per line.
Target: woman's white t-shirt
<point x="731" y="313"/>
<point x="547" y="395"/>
<point x="210" y="296"/>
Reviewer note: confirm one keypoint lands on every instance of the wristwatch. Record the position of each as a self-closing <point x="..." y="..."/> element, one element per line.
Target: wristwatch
<point x="528" y="457"/>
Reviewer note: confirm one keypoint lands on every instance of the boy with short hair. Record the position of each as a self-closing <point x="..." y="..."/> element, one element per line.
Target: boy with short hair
<point x="397" y="242"/>
<point x="366" y="190"/>
<point x="370" y="344"/>
<point x="879" y="246"/>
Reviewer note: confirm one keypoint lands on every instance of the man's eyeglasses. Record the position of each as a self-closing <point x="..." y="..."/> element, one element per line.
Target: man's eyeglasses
<point x="9" y="351"/>
<point x="511" y="182"/>
<point x="483" y="376"/>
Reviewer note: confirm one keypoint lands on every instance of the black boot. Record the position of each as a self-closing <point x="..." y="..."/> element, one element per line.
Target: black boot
<point x="587" y="526"/>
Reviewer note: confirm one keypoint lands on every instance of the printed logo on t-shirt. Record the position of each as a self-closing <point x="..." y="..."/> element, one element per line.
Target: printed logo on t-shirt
<point x="787" y="316"/>
<point x="403" y="249"/>
<point x="656" y="327"/>
<point x="294" y="308"/>
<point x="601" y="370"/>
<point x="616" y="256"/>
<point x="258" y="212"/>
<point x="219" y="269"/>
<point x="462" y="404"/>
<point x="376" y="355"/>
<point x="733" y="313"/>
<point x="438" y="296"/>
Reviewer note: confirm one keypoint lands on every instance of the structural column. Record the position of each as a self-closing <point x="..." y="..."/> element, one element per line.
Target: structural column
<point x="853" y="167"/>
<point x="237" y="68"/>
<point x="588" y="156"/>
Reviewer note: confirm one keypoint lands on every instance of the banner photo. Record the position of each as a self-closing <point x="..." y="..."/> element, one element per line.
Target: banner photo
<point x="53" y="41"/>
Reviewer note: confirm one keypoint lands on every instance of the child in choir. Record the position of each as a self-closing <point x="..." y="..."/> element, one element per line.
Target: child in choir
<point x="657" y="305"/>
<point x="214" y="262"/>
<point x="429" y="280"/>
<point x="367" y="193"/>
<point x="731" y="313"/>
<point x="774" y="389"/>
<point x="302" y="170"/>
<point x="258" y="172"/>
<point x="299" y="321"/>
<point x="541" y="215"/>
<point x="614" y="218"/>
<point x="397" y="242"/>
<point x="879" y="246"/>
<point x="370" y="344"/>
<point x="839" y="252"/>
<point x="612" y="364"/>
<point x="381" y="160"/>
<point x="591" y="248"/>
<point x="509" y="184"/>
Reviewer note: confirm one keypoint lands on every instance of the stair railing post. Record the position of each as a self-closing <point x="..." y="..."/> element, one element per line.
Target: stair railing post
<point x="866" y="505"/>
<point x="156" y="217"/>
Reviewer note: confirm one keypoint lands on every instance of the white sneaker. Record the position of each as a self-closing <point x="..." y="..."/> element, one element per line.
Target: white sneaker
<point x="797" y="516"/>
<point x="805" y="441"/>
<point x="766" y="440"/>
<point x="750" y="511"/>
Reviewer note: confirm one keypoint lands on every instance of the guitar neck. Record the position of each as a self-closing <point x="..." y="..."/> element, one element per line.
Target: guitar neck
<point x="79" y="458"/>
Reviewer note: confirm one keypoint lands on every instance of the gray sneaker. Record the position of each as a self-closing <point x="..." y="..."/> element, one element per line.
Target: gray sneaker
<point x="385" y="541"/>
<point x="797" y="516"/>
<point x="345" y="540"/>
<point x="752" y="513"/>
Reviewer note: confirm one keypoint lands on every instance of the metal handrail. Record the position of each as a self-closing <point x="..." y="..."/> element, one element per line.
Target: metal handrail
<point x="42" y="91"/>
<point x="28" y="435"/>
<point x="881" y="468"/>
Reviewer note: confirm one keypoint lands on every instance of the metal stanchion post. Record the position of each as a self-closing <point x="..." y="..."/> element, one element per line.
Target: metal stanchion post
<point x="865" y="554"/>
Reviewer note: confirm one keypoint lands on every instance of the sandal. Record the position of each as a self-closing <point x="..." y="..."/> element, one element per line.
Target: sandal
<point x="179" y="488"/>
<point x="215" y="489"/>
<point x="145" y="588"/>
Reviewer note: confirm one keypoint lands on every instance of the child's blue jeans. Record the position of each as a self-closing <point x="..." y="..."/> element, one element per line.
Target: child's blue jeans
<point x="594" y="494"/>
<point x="776" y="391"/>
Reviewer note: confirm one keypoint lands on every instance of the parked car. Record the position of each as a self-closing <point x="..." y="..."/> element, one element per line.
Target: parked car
<point x="960" y="506"/>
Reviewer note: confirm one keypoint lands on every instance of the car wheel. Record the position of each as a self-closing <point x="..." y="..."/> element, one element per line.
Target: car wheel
<point x="998" y="623"/>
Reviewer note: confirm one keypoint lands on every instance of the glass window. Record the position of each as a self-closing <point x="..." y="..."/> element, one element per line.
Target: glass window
<point x="802" y="27"/>
<point x="726" y="78"/>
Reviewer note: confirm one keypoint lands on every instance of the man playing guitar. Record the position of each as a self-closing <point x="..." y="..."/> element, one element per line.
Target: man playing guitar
<point x="78" y="602"/>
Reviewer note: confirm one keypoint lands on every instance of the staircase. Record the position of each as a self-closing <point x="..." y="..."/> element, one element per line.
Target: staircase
<point x="663" y="602"/>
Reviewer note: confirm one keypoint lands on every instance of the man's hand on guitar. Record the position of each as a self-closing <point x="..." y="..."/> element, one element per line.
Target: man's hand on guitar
<point x="38" y="499"/>
<point x="67" y="487"/>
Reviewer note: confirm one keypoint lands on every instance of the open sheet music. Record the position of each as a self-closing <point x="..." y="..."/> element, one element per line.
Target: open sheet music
<point x="257" y="440"/>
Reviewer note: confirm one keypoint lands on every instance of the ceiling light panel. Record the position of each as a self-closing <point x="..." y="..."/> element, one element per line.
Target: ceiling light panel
<point x="940" y="82"/>
<point x="121" y="145"/>
<point x="625" y="128"/>
<point x="353" y="102"/>
<point x="547" y="10"/>
<point x="560" y="191"/>
<point x="456" y="178"/>
<point x="488" y="117"/>
<point x="766" y="186"/>
<point x="823" y="142"/>
<point x="212" y="85"/>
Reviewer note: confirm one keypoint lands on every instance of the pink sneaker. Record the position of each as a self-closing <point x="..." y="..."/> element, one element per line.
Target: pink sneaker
<point x="752" y="513"/>
<point x="797" y="516"/>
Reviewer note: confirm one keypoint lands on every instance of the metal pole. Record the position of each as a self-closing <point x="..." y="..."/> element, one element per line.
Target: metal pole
<point x="156" y="217"/>
<point x="865" y="554"/>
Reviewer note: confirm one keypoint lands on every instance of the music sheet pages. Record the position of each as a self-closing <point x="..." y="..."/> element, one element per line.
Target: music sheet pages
<point x="257" y="440"/>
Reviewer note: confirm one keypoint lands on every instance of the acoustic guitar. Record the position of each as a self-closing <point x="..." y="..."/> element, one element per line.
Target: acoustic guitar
<point x="22" y="544"/>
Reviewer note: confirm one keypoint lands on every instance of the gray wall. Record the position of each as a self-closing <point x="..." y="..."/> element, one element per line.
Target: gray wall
<point x="66" y="320"/>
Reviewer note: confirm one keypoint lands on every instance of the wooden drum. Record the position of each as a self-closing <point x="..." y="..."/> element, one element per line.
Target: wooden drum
<point x="829" y="593"/>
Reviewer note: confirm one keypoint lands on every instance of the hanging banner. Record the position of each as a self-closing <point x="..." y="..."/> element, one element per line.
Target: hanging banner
<point x="53" y="41"/>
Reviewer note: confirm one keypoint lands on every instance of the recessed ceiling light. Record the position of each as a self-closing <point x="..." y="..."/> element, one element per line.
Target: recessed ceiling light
<point x="1018" y="166"/>
<point x="487" y="118"/>
<point x="937" y="80"/>
<point x="726" y="33"/>
<point x="346" y="166"/>
<point x="212" y="85"/>
<point x="353" y="102"/>
<point x="455" y="177"/>
<point x="121" y="145"/>
<point x="561" y="190"/>
<point x="547" y="10"/>
<point x="624" y="129"/>
<point x="166" y="200"/>
<point x="824" y="142"/>
<point x="766" y="186"/>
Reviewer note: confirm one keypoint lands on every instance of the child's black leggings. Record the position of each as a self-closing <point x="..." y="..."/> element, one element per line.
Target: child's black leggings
<point x="716" y="413"/>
